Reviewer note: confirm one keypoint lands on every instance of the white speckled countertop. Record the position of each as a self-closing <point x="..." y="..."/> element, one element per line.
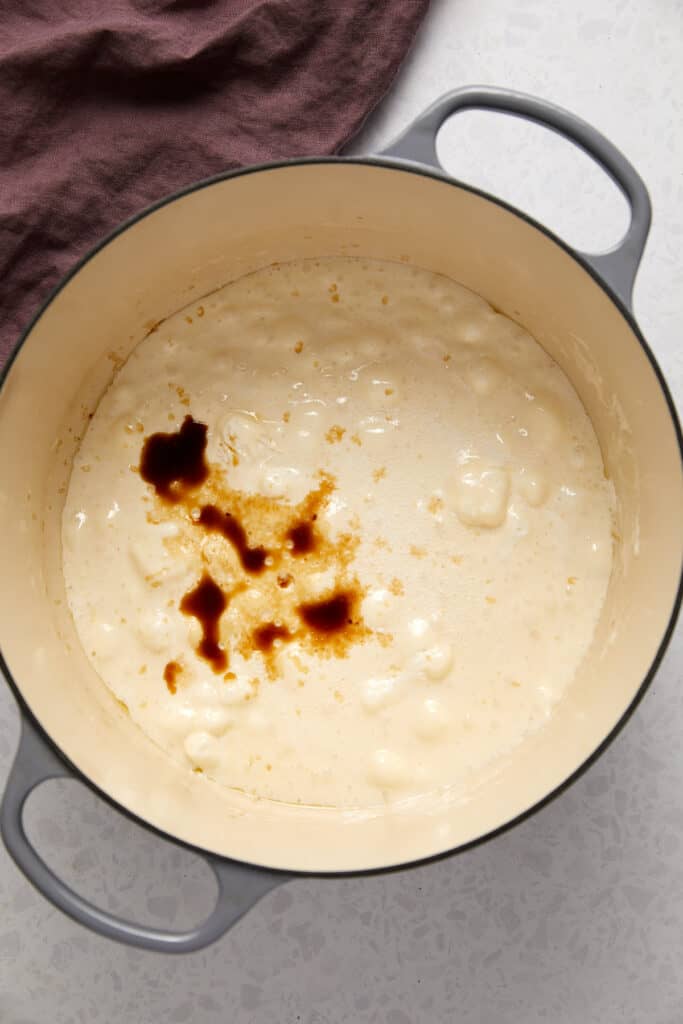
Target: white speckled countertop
<point x="575" y="916"/>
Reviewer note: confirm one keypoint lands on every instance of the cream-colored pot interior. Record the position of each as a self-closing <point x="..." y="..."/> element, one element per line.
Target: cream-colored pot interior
<point x="203" y="240"/>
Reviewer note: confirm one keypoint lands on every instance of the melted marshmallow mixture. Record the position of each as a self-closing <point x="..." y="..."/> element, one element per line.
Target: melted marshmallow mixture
<point x="339" y="535"/>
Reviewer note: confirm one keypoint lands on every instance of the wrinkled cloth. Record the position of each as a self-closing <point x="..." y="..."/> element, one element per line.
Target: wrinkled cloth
<point x="109" y="106"/>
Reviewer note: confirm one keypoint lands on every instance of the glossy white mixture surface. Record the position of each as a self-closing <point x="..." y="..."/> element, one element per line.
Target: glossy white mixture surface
<point x="460" y="505"/>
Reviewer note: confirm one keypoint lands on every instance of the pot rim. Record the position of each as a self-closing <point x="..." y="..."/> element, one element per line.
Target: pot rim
<point x="422" y="170"/>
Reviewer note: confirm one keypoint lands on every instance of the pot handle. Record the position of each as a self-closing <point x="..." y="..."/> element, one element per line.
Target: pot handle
<point x="239" y="885"/>
<point x="618" y="266"/>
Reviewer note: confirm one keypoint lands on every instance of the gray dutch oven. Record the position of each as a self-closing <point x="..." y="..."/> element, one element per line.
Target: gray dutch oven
<point x="397" y="204"/>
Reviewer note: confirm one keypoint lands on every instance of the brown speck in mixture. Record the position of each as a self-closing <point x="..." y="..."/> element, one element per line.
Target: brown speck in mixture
<point x="197" y="770"/>
<point x="171" y="673"/>
<point x="142" y="670"/>
<point x="417" y="552"/>
<point x="333" y="287"/>
<point x="301" y="537"/>
<point x="284" y="581"/>
<point x="234" y="457"/>
<point x="333" y="622"/>
<point x="295" y="293"/>
<point x="388" y="391"/>
<point x="188" y="319"/>
<point x="253" y="559"/>
<point x="571" y="580"/>
<point x="385" y="300"/>
<point x="200" y="311"/>
<point x="206" y="602"/>
<point x="356" y="439"/>
<point x="447" y="358"/>
<point x="286" y="416"/>
<point x="379" y="474"/>
<point x="229" y="677"/>
<point x="299" y="347"/>
<point x="396" y="587"/>
<point x="334" y="434"/>
<point x="265" y="636"/>
<point x="122" y="704"/>
<point x="456" y="559"/>
<point x="328" y="616"/>
<point x="174" y="463"/>
<point x="435" y="505"/>
<point x="335" y="297"/>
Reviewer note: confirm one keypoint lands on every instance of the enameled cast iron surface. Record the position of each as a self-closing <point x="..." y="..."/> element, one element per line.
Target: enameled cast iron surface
<point x="577" y="306"/>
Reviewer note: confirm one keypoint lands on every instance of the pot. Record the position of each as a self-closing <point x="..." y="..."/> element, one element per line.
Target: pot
<point x="397" y="204"/>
